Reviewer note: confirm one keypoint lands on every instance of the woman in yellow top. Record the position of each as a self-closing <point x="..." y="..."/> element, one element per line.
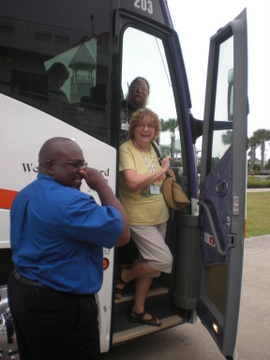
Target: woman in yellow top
<point x="141" y="178"/>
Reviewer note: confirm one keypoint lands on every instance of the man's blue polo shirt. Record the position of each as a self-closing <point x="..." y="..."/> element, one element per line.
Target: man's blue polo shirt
<point x="58" y="233"/>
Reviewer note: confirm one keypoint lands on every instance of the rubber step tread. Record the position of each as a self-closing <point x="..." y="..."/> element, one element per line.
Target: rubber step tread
<point x="140" y="330"/>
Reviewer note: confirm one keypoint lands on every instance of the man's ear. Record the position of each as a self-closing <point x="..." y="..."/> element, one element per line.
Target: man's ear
<point x="49" y="165"/>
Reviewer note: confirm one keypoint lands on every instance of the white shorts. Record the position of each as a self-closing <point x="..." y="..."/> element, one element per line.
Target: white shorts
<point x="150" y="241"/>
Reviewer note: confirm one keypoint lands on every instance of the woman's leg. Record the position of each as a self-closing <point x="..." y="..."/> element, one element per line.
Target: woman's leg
<point x="138" y="270"/>
<point x="142" y="287"/>
<point x="151" y="245"/>
<point x="143" y="273"/>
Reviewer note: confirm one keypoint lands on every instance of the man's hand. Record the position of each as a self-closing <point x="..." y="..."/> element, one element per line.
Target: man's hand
<point x="94" y="179"/>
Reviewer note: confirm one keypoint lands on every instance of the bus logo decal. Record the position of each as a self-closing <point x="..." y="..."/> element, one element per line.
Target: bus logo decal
<point x="27" y="167"/>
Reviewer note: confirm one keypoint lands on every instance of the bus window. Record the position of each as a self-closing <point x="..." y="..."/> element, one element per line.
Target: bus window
<point x="61" y="71"/>
<point x="222" y="137"/>
<point x="144" y="55"/>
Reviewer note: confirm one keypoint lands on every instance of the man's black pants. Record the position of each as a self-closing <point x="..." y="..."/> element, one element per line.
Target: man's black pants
<point x="52" y="325"/>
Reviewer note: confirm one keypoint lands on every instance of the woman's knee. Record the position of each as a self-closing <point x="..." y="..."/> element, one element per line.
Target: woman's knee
<point x="167" y="258"/>
<point x="168" y="262"/>
<point x="164" y="263"/>
<point x="170" y="259"/>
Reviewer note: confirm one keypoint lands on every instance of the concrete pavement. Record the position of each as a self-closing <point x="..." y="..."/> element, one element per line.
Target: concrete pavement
<point x="258" y="190"/>
<point x="192" y="342"/>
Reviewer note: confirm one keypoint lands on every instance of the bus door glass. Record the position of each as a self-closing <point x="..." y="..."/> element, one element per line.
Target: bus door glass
<point x="223" y="184"/>
<point x="144" y="56"/>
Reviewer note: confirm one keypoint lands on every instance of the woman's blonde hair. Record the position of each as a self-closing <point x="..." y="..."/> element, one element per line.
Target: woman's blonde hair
<point x="139" y="115"/>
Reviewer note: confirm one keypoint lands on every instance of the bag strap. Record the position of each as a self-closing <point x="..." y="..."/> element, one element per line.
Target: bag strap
<point x="157" y="151"/>
<point x="170" y="172"/>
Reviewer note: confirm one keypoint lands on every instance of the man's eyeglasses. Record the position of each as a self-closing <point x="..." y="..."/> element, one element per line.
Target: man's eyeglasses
<point x="142" y="88"/>
<point x="77" y="164"/>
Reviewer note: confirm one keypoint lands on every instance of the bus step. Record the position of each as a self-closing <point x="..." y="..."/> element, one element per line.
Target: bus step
<point x="151" y="293"/>
<point x="140" y="330"/>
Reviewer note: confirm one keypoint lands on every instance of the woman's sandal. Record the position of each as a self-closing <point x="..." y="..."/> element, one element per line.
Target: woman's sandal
<point x="139" y="318"/>
<point x="119" y="291"/>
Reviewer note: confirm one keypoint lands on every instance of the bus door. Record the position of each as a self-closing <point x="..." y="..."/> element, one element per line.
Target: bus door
<point x="223" y="184"/>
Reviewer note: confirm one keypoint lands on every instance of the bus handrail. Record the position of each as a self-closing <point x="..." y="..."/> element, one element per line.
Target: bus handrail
<point x="212" y="226"/>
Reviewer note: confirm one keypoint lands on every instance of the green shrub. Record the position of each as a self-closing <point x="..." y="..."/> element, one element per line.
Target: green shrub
<point x="177" y="163"/>
<point x="253" y="182"/>
<point x="256" y="168"/>
<point x="267" y="166"/>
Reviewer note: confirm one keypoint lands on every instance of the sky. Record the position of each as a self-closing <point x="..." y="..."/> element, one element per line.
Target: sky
<point x="196" y="21"/>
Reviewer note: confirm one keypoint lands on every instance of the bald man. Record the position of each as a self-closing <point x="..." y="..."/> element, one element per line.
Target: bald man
<point x="57" y="238"/>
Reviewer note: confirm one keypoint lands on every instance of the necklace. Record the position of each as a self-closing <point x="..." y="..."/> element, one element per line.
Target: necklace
<point x="151" y="168"/>
<point x="153" y="188"/>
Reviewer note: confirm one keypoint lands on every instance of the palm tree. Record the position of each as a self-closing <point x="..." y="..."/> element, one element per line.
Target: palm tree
<point x="170" y="125"/>
<point x="227" y="138"/>
<point x="261" y="136"/>
<point x="252" y="143"/>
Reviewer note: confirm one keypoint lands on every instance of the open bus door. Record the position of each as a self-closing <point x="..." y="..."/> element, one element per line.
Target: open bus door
<point x="223" y="184"/>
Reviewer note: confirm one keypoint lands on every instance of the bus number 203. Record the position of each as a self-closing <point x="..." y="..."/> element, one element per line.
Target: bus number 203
<point x="145" y="5"/>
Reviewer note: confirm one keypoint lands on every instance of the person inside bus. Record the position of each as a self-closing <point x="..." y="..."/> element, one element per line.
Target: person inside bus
<point x="57" y="239"/>
<point x="57" y="75"/>
<point x="137" y="98"/>
<point x="140" y="191"/>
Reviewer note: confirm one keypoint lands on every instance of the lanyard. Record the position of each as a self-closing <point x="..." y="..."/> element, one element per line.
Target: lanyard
<point x="151" y="168"/>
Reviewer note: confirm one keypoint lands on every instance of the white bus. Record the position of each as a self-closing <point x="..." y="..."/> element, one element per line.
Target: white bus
<point x="64" y="68"/>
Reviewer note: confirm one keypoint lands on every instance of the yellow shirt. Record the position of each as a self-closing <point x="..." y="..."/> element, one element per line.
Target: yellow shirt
<point x="142" y="208"/>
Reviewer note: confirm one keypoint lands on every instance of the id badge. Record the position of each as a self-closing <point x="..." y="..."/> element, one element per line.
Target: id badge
<point x="154" y="190"/>
<point x="125" y="127"/>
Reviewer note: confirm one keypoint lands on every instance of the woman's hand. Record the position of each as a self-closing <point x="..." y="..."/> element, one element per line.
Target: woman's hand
<point x="165" y="163"/>
<point x="136" y="181"/>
